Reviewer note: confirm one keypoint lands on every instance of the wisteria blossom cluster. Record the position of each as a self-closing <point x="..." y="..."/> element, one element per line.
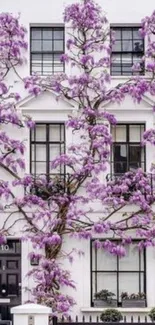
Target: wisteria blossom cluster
<point x="53" y="208"/>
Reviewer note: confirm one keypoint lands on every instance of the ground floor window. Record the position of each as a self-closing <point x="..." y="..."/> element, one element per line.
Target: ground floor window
<point x="118" y="274"/>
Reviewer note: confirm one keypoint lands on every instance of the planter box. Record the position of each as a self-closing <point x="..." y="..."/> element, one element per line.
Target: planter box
<point x="104" y="303"/>
<point x="130" y="303"/>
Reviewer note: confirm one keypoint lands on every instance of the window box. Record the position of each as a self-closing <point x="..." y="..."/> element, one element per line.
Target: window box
<point x="129" y="303"/>
<point x="104" y="303"/>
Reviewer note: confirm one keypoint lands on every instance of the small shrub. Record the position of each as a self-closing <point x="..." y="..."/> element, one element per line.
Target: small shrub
<point x="111" y="315"/>
<point x="152" y="314"/>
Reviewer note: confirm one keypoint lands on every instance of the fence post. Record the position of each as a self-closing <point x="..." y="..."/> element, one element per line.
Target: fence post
<point x="31" y="314"/>
<point x="55" y="320"/>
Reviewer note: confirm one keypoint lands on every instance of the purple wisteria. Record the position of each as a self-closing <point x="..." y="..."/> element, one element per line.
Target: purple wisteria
<point x="53" y="208"/>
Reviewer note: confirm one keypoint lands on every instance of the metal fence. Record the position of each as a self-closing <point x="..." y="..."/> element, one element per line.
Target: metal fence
<point x="127" y="320"/>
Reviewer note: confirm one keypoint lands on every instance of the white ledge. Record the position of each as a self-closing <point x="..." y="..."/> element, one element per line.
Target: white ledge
<point x="122" y="310"/>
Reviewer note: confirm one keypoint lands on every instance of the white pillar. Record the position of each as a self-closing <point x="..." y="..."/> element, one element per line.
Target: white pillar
<point x="31" y="314"/>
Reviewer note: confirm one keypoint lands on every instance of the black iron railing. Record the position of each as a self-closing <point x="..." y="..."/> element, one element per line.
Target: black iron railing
<point x="94" y="320"/>
<point x="46" y="185"/>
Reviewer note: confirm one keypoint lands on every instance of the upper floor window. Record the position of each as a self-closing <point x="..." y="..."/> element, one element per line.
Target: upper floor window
<point x="127" y="153"/>
<point x="118" y="274"/>
<point x="47" y="46"/>
<point x="127" y="51"/>
<point x="47" y="141"/>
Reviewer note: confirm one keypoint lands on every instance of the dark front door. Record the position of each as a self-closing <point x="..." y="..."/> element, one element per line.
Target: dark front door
<point x="10" y="277"/>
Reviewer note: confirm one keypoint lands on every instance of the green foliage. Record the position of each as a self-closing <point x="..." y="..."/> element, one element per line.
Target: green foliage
<point x="111" y="315"/>
<point x="105" y="295"/>
<point x="135" y="296"/>
<point x="152" y="314"/>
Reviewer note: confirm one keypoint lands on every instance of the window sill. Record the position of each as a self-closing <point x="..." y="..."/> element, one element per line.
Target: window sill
<point x="129" y="77"/>
<point x="123" y="310"/>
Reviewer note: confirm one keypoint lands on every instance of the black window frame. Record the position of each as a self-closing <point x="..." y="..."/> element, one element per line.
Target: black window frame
<point x="127" y="143"/>
<point x="132" y="52"/>
<point x="58" y="176"/>
<point x="119" y="304"/>
<point x="51" y="52"/>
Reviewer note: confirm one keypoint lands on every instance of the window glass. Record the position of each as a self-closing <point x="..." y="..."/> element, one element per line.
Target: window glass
<point x="36" y="33"/>
<point x="36" y="45"/>
<point x="40" y="132"/>
<point x="126" y="33"/>
<point x="127" y="152"/>
<point x="105" y="262"/>
<point x="119" y="133"/>
<point x="130" y="262"/>
<point x="118" y="274"/>
<point x="47" y="46"/>
<point x="45" y="43"/>
<point x="47" y="34"/>
<point x="107" y="281"/>
<point x="47" y="142"/>
<point x="128" y="282"/>
<point x="127" y="42"/>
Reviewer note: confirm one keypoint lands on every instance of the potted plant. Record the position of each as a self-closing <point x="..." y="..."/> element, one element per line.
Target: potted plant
<point x="152" y="314"/>
<point x="104" y="298"/>
<point x="133" y="300"/>
<point x="111" y="315"/>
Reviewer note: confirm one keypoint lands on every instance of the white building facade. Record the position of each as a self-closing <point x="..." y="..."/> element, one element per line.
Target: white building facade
<point x="46" y="42"/>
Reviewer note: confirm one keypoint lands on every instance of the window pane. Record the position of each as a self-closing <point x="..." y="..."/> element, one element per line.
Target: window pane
<point x="120" y="133"/>
<point x="120" y="167"/>
<point x="107" y="281"/>
<point x="59" y="68"/>
<point x="134" y="157"/>
<point x="135" y="133"/>
<point x="127" y="69"/>
<point x="117" y="35"/>
<point x="136" y="34"/>
<point x="40" y="152"/>
<point x="126" y="59"/>
<point x="120" y="152"/>
<point x="36" y="45"/>
<point x="129" y="282"/>
<point x="47" y="63"/>
<point x="126" y="33"/>
<point x="41" y="168"/>
<point x="116" y="59"/>
<point x="58" y="34"/>
<point x="36" y="69"/>
<point x="40" y="132"/>
<point x="131" y="261"/>
<point x="36" y="59"/>
<point x="54" y="151"/>
<point x="138" y="46"/>
<point x="54" y="132"/>
<point x="105" y="261"/>
<point x="36" y="33"/>
<point x="127" y="46"/>
<point x="117" y="46"/>
<point x="47" y="34"/>
<point x="47" y="46"/>
<point x="58" y="45"/>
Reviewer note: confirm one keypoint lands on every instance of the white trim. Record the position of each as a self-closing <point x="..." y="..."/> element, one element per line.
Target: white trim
<point x="30" y="97"/>
<point x="122" y="310"/>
